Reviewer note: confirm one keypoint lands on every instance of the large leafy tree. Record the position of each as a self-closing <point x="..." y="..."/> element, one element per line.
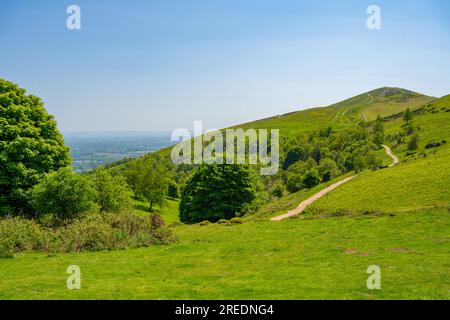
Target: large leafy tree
<point x="30" y="146"/>
<point x="219" y="191"/>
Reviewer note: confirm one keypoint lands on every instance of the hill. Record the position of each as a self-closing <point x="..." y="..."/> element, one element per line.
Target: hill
<point x="366" y="106"/>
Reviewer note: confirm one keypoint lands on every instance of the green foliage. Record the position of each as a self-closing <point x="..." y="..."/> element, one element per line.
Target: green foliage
<point x="64" y="194"/>
<point x="91" y="232"/>
<point x="378" y="131"/>
<point x="413" y="143"/>
<point x="294" y="182"/>
<point x="407" y="115"/>
<point x="293" y="155"/>
<point x="278" y="190"/>
<point x="328" y="169"/>
<point x="18" y="234"/>
<point x="113" y="194"/>
<point x="30" y="146"/>
<point x="217" y="192"/>
<point x="311" y="178"/>
<point x="149" y="181"/>
<point x="173" y="190"/>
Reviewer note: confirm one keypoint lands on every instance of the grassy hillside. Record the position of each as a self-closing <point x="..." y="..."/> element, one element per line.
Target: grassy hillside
<point x="384" y="101"/>
<point x="420" y="181"/>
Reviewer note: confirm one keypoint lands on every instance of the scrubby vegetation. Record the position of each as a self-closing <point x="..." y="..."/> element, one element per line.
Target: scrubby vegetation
<point x="88" y="232"/>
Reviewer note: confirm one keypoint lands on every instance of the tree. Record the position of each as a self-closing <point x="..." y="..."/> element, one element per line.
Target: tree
<point x="219" y="191"/>
<point x="378" y="131"/>
<point x="30" y="146"/>
<point x="293" y="155"/>
<point x="311" y="179"/>
<point x="407" y="116"/>
<point x="173" y="190"/>
<point x="149" y="181"/>
<point x="413" y="143"/>
<point x="328" y="169"/>
<point x="294" y="182"/>
<point x="64" y="194"/>
<point x="113" y="194"/>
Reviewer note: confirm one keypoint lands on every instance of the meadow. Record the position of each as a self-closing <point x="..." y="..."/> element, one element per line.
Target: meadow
<point x="292" y="259"/>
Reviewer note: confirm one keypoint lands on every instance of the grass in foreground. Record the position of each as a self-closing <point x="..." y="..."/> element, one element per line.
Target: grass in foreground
<point x="292" y="259"/>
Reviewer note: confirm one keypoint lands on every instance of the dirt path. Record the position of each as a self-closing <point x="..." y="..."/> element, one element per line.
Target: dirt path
<point x="390" y="154"/>
<point x="310" y="200"/>
<point x="302" y="206"/>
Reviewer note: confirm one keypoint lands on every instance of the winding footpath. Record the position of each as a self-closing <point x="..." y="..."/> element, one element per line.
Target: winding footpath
<point x="302" y="206"/>
<point x="393" y="156"/>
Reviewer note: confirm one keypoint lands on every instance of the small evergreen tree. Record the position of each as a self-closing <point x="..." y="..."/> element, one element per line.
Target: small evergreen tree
<point x="413" y="143"/>
<point x="219" y="191"/>
<point x="407" y="116"/>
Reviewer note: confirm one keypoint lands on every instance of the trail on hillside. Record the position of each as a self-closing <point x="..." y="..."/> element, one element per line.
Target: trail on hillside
<point x="302" y="206"/>
<point x="390" y="154"/>
<point x="310" y="200"/>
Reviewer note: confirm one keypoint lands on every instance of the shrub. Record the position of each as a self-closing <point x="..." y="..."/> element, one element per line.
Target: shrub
<point x="278" y="190"/>
<point x="87" y="232"/>
<point x="65" y="194"/>
<point x="236" y="220"/>
<point x="294" y="182"/>
<point x="19" y="234"/>
<point x="311" y="179"/>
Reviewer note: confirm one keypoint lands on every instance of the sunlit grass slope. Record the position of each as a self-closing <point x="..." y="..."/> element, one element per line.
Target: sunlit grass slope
<point x="383" y="101"/>
<point x="420" y="181"/>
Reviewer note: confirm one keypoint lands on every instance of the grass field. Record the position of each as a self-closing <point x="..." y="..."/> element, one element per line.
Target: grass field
<point x="292" y="259"/>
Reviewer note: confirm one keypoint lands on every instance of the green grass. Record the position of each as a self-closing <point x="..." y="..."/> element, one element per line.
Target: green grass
<point x="292" y="259"/>
<point x="420" y="181"/>
<point x="414" y="185"/>
<point x="364" y="106"/>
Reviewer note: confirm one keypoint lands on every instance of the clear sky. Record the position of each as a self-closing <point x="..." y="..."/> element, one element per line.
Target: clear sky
<point x="160" y="65"/>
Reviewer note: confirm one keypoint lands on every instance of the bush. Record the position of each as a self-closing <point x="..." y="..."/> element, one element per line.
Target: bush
<point x="89" y="232"/>
<point x="19" y="234"/>
<point x="294" y="182"/>
<point x="65" y="194"/>
<point x="220" y="191"/>
<point x="113" y="194"/>
<point x="278" y="190"/>
<point x="311" y="179"/>
<point x="236" y="220"/>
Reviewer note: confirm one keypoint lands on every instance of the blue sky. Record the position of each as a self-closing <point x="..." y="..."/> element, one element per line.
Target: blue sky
<point x="160" y="65"/>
